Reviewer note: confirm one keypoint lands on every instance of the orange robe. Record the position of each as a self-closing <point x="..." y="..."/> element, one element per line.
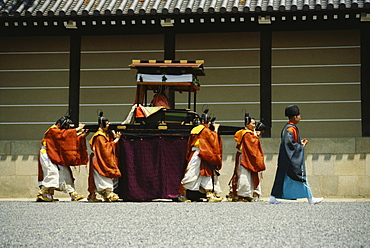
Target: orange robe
<point x="73" y="149"/>
<point x="103" y="159"/>
<point x="84" y="156"/>
<point x="160" y="100"/>
<point x="210" y="145"/>
<point x="252" y="153"/>
<point x="64" y="147"/>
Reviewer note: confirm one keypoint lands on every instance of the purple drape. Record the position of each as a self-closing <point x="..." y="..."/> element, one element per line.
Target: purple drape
<point x="152" y="166"/>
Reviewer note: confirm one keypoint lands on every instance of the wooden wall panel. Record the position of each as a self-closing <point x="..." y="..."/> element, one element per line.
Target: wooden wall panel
<point x="319" y="71"/>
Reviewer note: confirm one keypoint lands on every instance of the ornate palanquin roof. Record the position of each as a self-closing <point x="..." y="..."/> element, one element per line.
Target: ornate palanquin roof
<point x="169" y="67"/>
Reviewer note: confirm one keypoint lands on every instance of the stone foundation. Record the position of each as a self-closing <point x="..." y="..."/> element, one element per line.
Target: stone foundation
<point x="336" y="167"/>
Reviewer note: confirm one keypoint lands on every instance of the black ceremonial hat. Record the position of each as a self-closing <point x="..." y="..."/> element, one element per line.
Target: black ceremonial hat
<point x="102" y="120"/>
<point x="260" y="127"/>
<point x="292" y="110"/>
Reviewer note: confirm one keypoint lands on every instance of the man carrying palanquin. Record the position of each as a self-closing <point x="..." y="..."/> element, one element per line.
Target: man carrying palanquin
<point x="103" y="162"/>
<point x="204" y="156"/>
<point x="62" y="146"/>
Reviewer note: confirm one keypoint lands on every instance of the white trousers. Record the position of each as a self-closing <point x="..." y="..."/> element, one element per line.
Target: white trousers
<point x="194" y="181"/>
<point x="245" y="182"/>
<point x="55" y="176"/>
<point x="102" y="182"/>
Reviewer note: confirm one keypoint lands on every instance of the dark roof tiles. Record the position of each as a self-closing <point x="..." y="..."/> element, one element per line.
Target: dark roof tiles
<point x="135" y="7"/>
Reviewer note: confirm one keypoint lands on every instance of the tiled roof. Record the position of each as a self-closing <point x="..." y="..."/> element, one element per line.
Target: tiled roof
<point x="152" y="7"/>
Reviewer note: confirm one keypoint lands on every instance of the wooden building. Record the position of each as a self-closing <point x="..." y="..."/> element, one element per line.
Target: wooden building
<point x="259" y="56"/>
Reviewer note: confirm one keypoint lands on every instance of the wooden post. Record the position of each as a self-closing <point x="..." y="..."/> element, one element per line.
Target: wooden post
<point x="169" y="54"/>
<point x="365" y="79"/>
<point x="265" y="80"/>
<point x="74" y="77"/>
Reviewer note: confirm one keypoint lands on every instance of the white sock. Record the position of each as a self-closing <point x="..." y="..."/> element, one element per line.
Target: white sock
<point x="313" y="200"/>
<point x="274" y="201"/>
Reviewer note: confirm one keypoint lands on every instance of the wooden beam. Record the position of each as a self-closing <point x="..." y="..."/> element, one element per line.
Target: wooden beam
<point x="365" y="79"/>
<point x="265" y="80"/>
<point x="169" y="54"/>
<point x="74" y="77"/>
<point x="169" y="46"/>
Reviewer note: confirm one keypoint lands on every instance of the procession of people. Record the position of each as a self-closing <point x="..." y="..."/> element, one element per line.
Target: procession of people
<point x="64" y="145"/>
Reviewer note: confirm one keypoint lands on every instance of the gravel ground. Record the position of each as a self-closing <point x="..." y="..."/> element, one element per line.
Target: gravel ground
<point x="175" y="224"/>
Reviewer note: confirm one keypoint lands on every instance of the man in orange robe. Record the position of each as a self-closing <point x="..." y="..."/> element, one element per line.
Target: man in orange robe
<point x="62" y="147"/>
<point x="103" y="163"/>
<point x="249" y="161"/>
<point x="204" y="156"/>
